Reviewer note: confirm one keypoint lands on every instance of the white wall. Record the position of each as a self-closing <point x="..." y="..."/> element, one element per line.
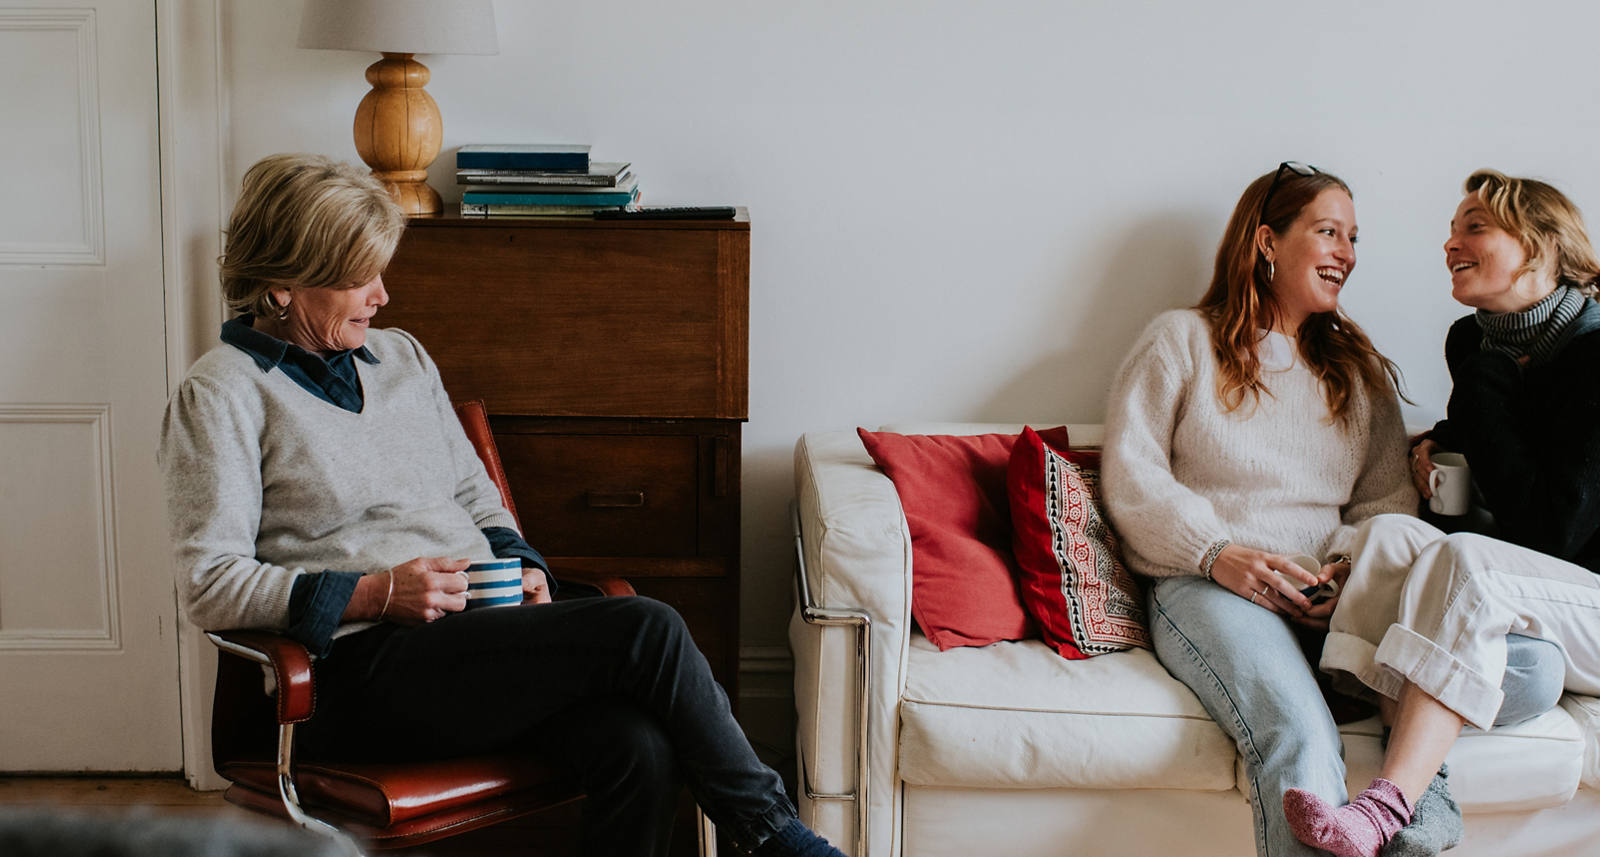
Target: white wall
<point x="962" y="211"/>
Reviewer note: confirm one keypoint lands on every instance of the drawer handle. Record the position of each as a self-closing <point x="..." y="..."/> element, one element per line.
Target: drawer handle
<point x="615" y="499"/>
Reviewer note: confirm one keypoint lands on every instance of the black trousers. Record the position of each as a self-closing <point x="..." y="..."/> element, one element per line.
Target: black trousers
<point x="613" y="686"/>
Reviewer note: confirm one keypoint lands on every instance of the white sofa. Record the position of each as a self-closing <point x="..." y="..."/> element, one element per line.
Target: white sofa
<point x="1011" y="750"/>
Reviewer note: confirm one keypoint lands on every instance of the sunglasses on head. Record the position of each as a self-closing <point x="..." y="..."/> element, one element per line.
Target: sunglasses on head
<point x="1295" y="167"/>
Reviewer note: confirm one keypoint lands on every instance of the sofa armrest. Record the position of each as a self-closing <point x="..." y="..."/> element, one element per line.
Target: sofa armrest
<point x="857" y="547"/>
<point x="1586" y="711"/>
<point x="856" y="552"/>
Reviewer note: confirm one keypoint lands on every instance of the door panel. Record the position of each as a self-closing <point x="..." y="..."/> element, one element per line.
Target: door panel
<point x="88" y="654"/>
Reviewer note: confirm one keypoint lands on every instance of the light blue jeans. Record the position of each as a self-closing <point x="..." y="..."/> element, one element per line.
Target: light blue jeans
<point x="1245" y="665"/>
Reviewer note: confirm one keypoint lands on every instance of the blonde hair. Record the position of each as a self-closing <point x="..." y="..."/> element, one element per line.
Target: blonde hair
<point x="1240" y="304"/>
<point x="1544" y="222"/>
<point x="309" y="221"/>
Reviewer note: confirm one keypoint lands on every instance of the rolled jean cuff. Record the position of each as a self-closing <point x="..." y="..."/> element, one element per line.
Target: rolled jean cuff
<point x="1352" y="661"/>
<point x="1441" y="676"/>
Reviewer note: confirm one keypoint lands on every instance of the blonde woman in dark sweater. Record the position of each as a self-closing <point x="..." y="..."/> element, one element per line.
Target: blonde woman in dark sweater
<point x="1423" y="622"/>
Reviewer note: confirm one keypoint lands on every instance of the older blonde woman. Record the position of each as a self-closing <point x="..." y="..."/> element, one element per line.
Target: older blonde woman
<point x="1424" y="620"/>
<point x="318" y="483"/>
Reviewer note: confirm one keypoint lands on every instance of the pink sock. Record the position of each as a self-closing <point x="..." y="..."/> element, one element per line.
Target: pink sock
<point x="1357" y="829"/>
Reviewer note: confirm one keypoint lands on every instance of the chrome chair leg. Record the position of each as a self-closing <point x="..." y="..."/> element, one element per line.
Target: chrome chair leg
<point x="707" y="832"/>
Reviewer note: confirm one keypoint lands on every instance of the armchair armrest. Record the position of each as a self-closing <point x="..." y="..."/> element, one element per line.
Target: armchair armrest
<point x="608" y="585"/>
<point x="289" y="661"/>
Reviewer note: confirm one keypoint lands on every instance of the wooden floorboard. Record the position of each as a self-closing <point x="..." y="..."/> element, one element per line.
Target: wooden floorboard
<point x="111" y="793"/>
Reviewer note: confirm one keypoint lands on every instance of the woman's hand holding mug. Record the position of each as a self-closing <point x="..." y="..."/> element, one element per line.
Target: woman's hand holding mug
<point x="426" y="588"/>
<point x="1422" y="466"/>
<point x="535" y="586"/>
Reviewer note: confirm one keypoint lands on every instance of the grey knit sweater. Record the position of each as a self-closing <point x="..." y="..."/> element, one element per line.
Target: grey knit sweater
<point x="1179" y="473"/>
<point x="265" y="482"/>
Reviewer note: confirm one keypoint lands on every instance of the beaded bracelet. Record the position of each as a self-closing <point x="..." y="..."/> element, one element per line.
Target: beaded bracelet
<point x="1210" y="558"/>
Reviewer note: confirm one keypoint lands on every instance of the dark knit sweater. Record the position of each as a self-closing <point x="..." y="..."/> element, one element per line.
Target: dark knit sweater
<point x="1532" y="437"/>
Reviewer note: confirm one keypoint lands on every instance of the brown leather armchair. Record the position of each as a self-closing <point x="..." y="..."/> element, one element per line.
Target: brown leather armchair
<point x="389" y="805"/>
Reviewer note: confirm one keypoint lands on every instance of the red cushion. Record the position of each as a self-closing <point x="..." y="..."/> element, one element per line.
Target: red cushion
<point x="953" y="491"/>
<point x="1072" y="578"/>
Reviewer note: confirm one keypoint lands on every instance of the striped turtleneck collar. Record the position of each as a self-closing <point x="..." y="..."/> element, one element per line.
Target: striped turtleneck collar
<point x="1536" y="332"/>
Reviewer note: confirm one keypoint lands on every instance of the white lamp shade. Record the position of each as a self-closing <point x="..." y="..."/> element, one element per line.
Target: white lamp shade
<point x="400" y="26"/>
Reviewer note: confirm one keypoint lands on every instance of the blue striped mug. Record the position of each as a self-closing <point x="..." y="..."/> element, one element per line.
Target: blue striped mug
<point x="494" y="583"/>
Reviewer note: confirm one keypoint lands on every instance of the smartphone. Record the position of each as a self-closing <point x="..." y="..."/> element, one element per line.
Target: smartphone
<point x="1320" y="592"/>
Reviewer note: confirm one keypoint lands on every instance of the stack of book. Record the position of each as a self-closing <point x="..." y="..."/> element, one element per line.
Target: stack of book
<point x="541" y="180"/>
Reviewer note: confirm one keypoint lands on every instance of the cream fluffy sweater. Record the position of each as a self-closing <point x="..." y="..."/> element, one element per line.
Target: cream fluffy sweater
<point x="1180" y="473"/>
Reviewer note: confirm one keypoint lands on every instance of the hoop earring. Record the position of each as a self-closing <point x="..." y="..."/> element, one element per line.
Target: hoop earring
<point x="1272" y="274"/>
<point x="283" y="312"/>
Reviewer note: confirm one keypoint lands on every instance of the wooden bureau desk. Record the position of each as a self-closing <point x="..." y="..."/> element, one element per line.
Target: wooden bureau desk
<point x="613" y="357"/>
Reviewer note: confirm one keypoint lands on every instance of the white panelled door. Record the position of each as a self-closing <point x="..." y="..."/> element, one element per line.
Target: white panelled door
<point x="88" y="646"/>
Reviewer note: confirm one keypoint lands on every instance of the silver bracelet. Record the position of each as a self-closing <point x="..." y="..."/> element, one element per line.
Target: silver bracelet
<point x="385" y="610"/>
<point x="1210" y="558"/>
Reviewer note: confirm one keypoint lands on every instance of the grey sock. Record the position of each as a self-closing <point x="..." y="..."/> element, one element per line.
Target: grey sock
<point x="1435" y="825"/>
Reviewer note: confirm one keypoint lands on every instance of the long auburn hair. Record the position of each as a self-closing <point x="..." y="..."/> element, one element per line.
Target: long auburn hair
<point x="1240" y="304"/>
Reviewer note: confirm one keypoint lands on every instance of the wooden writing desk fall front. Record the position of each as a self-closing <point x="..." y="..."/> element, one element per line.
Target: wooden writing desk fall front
<point x="613" y="357"/>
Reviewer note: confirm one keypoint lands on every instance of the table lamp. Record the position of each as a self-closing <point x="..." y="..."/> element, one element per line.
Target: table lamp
<point x="397" y="127"/>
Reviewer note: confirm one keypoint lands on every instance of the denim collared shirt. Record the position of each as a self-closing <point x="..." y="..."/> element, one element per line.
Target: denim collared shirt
<point x="332" y="379"/>
<point x="318" y="600"/>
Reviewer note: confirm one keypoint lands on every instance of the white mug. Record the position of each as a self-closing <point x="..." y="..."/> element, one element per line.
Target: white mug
<point x="1451" y="484"/>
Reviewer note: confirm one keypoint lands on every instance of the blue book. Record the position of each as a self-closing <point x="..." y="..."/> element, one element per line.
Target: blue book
<point x="533" y="156"/>
<point x="565" y="196"/>
<point x="508" y="210"/>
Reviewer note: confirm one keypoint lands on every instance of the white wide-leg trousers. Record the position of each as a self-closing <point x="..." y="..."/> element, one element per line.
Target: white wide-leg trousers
<point x="1435" y="609"/>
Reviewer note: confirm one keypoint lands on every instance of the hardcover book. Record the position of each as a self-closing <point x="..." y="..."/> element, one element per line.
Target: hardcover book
<point x="622" y="194"/>
<point x="600" y="174"/>
<point x="514" y="210"/>
<point x="529" y="156"/>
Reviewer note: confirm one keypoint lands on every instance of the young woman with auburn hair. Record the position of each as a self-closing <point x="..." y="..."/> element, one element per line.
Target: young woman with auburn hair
<point x="1255" y="429"/>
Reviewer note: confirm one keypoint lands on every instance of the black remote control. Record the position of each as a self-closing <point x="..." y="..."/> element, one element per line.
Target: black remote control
<point x="669" y="212"/>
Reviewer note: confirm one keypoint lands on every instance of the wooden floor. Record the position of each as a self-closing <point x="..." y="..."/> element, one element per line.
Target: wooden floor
<point x="549" y="834"/>
<point x="160" y="794"/>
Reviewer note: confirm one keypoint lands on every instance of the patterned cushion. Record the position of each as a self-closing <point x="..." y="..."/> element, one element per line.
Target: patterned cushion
<point x="1073" y="581"/>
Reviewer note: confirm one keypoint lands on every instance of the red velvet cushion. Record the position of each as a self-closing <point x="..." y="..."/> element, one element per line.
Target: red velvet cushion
<point x="1072" y="578"/>
<point x="953" y="491"/>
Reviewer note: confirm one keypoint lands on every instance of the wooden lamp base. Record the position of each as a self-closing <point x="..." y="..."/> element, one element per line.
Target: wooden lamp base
<point x="398" y="131"/>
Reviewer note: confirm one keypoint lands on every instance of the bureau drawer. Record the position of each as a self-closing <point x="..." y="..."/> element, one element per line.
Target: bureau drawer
<point x="605" y="495"/>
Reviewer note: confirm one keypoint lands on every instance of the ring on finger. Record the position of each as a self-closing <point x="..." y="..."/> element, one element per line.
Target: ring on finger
<point x="1253" y="595"/>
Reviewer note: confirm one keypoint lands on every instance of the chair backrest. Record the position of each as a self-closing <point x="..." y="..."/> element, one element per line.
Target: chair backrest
<point x="474" y="417"/>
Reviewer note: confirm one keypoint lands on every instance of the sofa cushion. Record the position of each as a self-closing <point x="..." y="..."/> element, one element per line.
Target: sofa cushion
<point x="953" y="492"/>
<point x="1586" y="711"/>
<point x="1070" y="570"/>
<point x="1015" y="715"/>
<point x="1532" y="765"/>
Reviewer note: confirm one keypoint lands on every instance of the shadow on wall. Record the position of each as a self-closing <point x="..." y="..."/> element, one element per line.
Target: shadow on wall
<point x="1160" y="263"/>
